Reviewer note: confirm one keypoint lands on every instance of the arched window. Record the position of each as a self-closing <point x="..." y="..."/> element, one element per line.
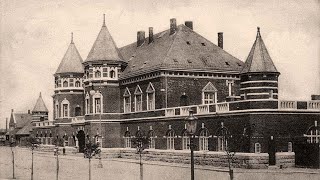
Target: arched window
<point x="57" y="110"/>
<point x="222" y="134"/>
<point x="112" y="74"/>
<point x="138" y="99"/>
<point x="313" y="133"/>
<point x="203" y="139"/>
<point x="185" y="140"/>
<point x="127" y="100"/>
<point x="65" y="84"/>
<point x="209" y="94"/>
<point x="150" y="97"/>
<point x="97" y="103"/>
<point x="152" y="143"/>
<point x="65" y="108"/>
<point x="257" y="147"/>
<point x="97" y="74"/>
<point x="87" y="103"/>
<point x="127" y="139"/>
<point x="170" y="139"/>
<point x="78" y="84"/>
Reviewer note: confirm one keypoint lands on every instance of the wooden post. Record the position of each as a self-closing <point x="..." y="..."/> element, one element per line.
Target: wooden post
<point x="13" y="177"/>
<point x="32" y="163"/>
<point x="141" y="168"/>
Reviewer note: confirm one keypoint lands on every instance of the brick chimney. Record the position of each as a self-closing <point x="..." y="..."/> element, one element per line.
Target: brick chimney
<point x="29" y="112"/>
<point x="140" y="38"/>
<point x="173" y="25"/>
<point x="150" y="34"/>
<point x="12" y="110"/>
<point x="220" y="39"/>
<point x="189" y="24"/>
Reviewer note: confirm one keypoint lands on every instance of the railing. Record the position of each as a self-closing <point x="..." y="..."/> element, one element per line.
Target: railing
<point x="78" y="119"/>
<point x="69" y="88"/>
<point x="45" y="123"/>
<point x="287" y="105"/>
<point x="170" y="112"/>
<point x="222" y="107"/>
<point x="314" y="105"/>
<point x="203" y="109"/>
<point x="184" y="111"/>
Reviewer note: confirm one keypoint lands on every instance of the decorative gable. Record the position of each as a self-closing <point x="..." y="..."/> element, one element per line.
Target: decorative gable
<point x="127" y="92"/>
<point x="209" y="88"/>
<point x="150" y="88"/>
<point x="138" y="90"/>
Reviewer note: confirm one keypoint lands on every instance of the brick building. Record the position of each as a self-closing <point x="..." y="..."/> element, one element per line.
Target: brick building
<point x="150" y="85"/>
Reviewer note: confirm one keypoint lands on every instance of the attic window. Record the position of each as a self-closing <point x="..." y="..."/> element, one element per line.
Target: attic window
<point x="203" y="44"/>
<point x="189" y="61"/>
<point x="188" y="42"/>
<point x="227" y="64"/>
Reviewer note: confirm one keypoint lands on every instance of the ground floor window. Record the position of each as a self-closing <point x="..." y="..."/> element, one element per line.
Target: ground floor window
<point x="152" y="143"/>
<point x="170" y="139"/>
<point x="185" y="141"/>
<point x="222" y="143"/>
<point x="127" y="140"/>
<point x="203" y="140"/>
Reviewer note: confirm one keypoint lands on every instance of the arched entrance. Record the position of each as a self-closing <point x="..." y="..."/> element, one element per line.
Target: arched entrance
<point x="81" y="140"/>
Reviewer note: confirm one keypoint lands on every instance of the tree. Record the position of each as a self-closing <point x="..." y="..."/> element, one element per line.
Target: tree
<point x="90" y="150"/>
<point x="141" y="142"/>
<point x="33" y="143"/>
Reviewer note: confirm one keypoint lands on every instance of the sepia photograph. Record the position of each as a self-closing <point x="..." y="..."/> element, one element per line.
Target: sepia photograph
<point x="160" y="90"/>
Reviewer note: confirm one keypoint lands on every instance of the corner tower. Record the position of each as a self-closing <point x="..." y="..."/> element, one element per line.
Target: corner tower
<point x="40" y="111"/>
<point x="102" y="70"/>
<point x="69" y="92"/>
<point x="259" y="77"/>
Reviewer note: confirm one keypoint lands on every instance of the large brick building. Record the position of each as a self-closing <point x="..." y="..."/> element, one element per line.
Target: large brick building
<point x="150" y="85"/>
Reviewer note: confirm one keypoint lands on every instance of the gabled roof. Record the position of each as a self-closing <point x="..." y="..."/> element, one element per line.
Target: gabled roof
<point x="104" y="48"/>
<point x="71" y="61"/>
<point x="20" y="119"/>
<point x="25" y="130"/>
<point x="259" y="59"/>
<point x="185" y="49"/>
<point x="40" y="106"/>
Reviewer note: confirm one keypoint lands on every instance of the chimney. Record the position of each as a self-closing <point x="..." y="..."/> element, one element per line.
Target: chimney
<point x="173" y="25"/>
<point x="29" y="112"/>
<point x="140" y="38"/>
<point x="220" y="39"/>
<point x="150" y="34"/>
<point x="12" y="110"/>
<point x="189" y="24"/>
<point x="6" y="124"/>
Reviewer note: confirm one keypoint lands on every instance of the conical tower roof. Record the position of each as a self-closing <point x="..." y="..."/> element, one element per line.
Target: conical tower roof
<point x="259" y="59"/>
<point x="40" y="106"/>
<point x="104" y="48"/>
<point x="71" y="61"/>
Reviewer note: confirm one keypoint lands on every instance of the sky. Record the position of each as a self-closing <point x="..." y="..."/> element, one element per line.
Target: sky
<point x="34" y="35"/>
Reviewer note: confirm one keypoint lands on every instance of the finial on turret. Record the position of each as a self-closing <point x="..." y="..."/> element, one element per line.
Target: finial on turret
<point x="258" y="31"/>
<point x="104" y="20"/>
<point x="40" y="94"/>
<point x="71" y="37"/>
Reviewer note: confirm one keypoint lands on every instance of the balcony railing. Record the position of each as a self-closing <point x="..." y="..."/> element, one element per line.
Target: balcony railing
<point x="314" y="105"/>
<point x="287" y="105"/>
<point x="203" y="109"/>
<point x="222" y="107"/>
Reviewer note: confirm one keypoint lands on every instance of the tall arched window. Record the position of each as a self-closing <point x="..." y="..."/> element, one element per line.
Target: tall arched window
<point x="112" y="74"/>
<point x="97" y="103"/>
<point x="78" y="84"/>
<point x="127" y="101"/>
<point x="138" y="99"/>
<point x="152" y="143"/>
<point x="150" y="97"/>
<point x="222" y="134"/>
<point x="65" y="84"/>
<point x="56" y="109"/>
<point x="170" y="139"/>
<point x="209" y="94"/>
<point x="97" y="74"/>
<point x="65" y="108"/>
<point x="313" y="133"/>
<point x="87" y="103"/>
<point x="203" y="139"/>
<point x="127" y="139"/>
<point x="185" y="140"/>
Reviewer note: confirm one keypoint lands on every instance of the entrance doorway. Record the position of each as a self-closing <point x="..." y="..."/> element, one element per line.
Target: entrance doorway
<point x="81" y="140"/>
<point x="272" y="151"/>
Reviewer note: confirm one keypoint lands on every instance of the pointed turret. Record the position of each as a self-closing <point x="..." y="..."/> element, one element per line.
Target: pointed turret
<point x="259" y="59"/>
<point x="259" y="77"/>
<point x="40" y="105"/>
<point x="71" y="61"/>
<point x="104" y="48"/>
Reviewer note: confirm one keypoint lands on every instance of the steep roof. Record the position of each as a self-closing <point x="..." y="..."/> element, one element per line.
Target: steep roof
<point x="104" y="48"/>
<point x="20" y="119"/>
<point x="25" y="130"/>
<point x="40" y="105"/>
<point x="259" y="59"/>
<point x="185" y="49"/>
<point x="71" y="61"/>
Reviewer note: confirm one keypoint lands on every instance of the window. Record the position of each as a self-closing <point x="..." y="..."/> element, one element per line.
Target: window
<point x="71" y="82"/>
<point x="152" y="143"/>
<point x="150" y="97"/>
<point x="138" y="99"/>
<point x="203" y="140"/>
<point x="257" y="147"/>
<point x="185" y="140"/>
<point x="170" y="139"/>
<point x="230" y="83"/>
<point x="290" y="147"/>
<point x="222" y="143"/>
<point x="78" y="84"/>
<point x="65" y="84"/>
<point x="112" y="74"/>
<point x="65" y="108"/>
<point x="222" y="133"/>
<point x="59" y="83"/>
<point x="97" y="103"/>
<point x="57" y="110"/>
<point x="97" y="74"/>
<point x="209" y="94"/>
<point x="313" y="133"/>
<point x="127" y="140"/>
<point x="87" y="104"/>
<point x="127" y="100"/>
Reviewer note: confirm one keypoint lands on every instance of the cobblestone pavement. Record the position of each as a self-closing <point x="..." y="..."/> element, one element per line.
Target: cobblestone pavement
<point x="76" y="167"/>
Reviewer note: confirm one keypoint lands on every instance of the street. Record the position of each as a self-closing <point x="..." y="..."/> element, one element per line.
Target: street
<point x="76" y="167"/>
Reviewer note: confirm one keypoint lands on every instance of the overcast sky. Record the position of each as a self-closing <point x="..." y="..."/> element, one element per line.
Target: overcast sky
<point x="34" y="36"/>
